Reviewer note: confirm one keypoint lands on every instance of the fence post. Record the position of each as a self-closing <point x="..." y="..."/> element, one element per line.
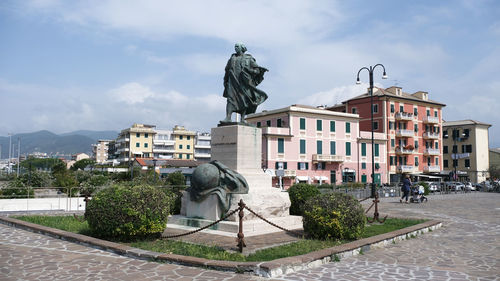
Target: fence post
<point x="241" y="236"/>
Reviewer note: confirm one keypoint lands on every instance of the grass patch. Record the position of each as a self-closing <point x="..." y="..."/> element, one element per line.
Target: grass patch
<point x="388" y="226"/>
<point x="69" y="223"/>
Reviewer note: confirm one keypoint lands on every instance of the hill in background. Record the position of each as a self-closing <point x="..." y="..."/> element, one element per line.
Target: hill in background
<point x="53" y="144"/>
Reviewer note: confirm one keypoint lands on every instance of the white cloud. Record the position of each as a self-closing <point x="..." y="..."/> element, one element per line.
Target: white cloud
<point x="131" y="93"/>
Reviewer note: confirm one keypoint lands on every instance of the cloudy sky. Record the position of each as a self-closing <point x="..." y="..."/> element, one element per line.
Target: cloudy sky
<point x="106" y="64"/>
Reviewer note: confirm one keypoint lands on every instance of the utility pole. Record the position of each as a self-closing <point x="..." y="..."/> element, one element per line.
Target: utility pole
<point x="10" y="152"/>
<point x="18" y="154"/>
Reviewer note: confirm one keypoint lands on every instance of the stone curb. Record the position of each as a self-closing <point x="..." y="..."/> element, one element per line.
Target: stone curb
<point x="266" y="269"/>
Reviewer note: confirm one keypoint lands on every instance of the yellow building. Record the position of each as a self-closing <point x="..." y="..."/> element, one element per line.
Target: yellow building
<point x="184" y="143"/>
<point x="465" y="150"/>
<point x="136" y="141"/>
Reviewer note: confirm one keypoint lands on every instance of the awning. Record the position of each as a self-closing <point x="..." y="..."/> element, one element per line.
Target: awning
<point x="321" y="178"/>
<point x="302" y="178"/>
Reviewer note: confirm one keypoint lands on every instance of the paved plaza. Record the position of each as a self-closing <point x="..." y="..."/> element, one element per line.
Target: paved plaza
<point x="467" y="247"/>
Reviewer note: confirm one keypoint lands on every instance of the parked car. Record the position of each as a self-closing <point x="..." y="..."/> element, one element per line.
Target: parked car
<point x="433" y="186"/>
<point x="469" y="187"/>
<point x="455" y="186"/>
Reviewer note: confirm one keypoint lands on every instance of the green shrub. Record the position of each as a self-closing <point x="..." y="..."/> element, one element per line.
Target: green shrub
<point x="352" y="185"/>
<point x="16" y="192"/>
<point x="326" y="186"/>
<point x="426" y="187"/>
<point x="334" y="216"/>
<point x="299" y="193"/>
<point x="124" y="212"/>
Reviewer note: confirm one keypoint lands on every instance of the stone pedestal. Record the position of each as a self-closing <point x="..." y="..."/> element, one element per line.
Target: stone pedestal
<point x="240" y="147"/>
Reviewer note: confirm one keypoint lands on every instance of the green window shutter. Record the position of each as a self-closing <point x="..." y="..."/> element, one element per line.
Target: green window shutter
<point x="319" y="125"/>
<point x="363" y="178"/>
<point x="276" y="165"/>
<point x="332" y="148"/>
<point x="258" y="125"/>
<point x="302" y="123"/>
<point x="332" y="126"/>
<point x="348" y="149"/>
<point x="347" y="127"/>
<point x="281" y="145"/>
<point x="307" y="165"/>
<point x="319" y="147"/>
<point x="393" y="143"/>
<point x="188" y="156"/>
<point x="285" y="165"/>
<point x="302" y="146"/>
<point x="363" y="149"/>
<point x="363" y="165"/>
<point x="377" y="149"/>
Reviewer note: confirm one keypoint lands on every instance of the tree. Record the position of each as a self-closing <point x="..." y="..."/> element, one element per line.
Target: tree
<point x="81" y="164"/>
<point x="494" y="171"/>
<point x="176" y="179"/>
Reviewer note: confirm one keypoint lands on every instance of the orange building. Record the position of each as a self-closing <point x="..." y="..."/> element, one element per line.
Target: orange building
<point x="412" y="124"/>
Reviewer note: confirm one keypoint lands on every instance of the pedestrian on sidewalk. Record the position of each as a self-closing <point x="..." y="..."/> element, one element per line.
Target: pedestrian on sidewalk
<point x="405" y="188"/>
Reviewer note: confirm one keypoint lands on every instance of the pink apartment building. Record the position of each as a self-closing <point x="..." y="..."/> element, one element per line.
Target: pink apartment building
<point x="412" y="124"/>
<point x="314" y="145"/>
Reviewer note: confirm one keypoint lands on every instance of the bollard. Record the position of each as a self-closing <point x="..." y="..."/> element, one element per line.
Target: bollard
<point x="241" y="236"/>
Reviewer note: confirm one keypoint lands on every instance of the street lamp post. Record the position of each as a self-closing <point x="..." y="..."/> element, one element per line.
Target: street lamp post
<point x="370" y="70"/>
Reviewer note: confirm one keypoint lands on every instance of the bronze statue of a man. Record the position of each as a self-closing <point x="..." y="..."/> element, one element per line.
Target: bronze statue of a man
<point x="240" y="81"/>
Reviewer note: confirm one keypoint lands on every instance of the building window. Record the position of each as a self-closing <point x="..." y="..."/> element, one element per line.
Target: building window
<point x="319" y="125"/>
<point x="188" y="137"/>
<point x="363" y="178"/>
<point x="416" y="161"/>
<point x="302" y="146"/>
<point x="391" y="125"/>
<point x="321" y="166"/>
<point x="363" y="165"/>
<point x="279" y="123"/>
<point x="259" y="124"/>
<point x="391" y="160"/>
<point x="455" y="162"/>
<point x="468" y="148"/>
<point x="146" y="135"/>
<point x="415" y="127"/>
<point x="303" y="166"/>
<point x="415" y="111"/>
<point x="347" y="127"/>
<point x="375" y="108"/>
<point x="437" y="161"/>
<point x="319" y="147"/>
<point x="333" y="148"/>
<point x="455" y="149"/>
<point x="435" y="113"/>
<point x="436" y="145"/>
<point x="445" y="149"/>
<point x="416" y="144"/>
<point x="180" y="156"/>
<point x="445" y="163"/>
<point x="377" y="151"/>
<point x="348" y="149"/>
<point x="332" y="126"/>
<point x="146" y="145"/>
<point x="137" y="144"/>
<point x="188" y="156"/>
<point x="302" y="123"/>
<point x="467" y="163"/>
<point x="281" y="145"/>
<point x="428" y="112"/>
<point x="137" y="135"/>
<point x="445" y="134"/>
<point x="180" y="137"/>
<point x="268" y="123"/>
<point x="401" y="108"/>
<point x="392" y="108"/>
<point x="466" y="133"/>
<point x="393" y="143"/>
<point x="363" y="149"/>
<point x="188" y="146"/>
<point x="180" y="146"/>
<point x="375" y="125"/>
<point x="354" y="110"/>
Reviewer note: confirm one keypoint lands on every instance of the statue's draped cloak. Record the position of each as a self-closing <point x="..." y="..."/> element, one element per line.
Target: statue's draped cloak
<point x="240" y="80"/>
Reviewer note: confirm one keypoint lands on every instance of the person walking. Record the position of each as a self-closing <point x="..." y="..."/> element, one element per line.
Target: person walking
<point x="406" y="188"/>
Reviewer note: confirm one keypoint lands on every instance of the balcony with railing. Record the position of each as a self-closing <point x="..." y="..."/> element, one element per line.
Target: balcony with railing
<point x="121" y="140"/>
<point x="431" y="151"/>
<point x="163" y="142"/>
<point x="431" y="135"/>
<point x="124" y="149"/>
<point x="460" y="155"/>
<point x="327" y="158"/>
<point x="431" y="120"/>
<point x="432" y="169"/>
<point x="405" y="168"/>
<point x="402" y="150"/>
<point x="276" y="131"/>
<point x="404" y="133"/>
<point x="403" y="116"/>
